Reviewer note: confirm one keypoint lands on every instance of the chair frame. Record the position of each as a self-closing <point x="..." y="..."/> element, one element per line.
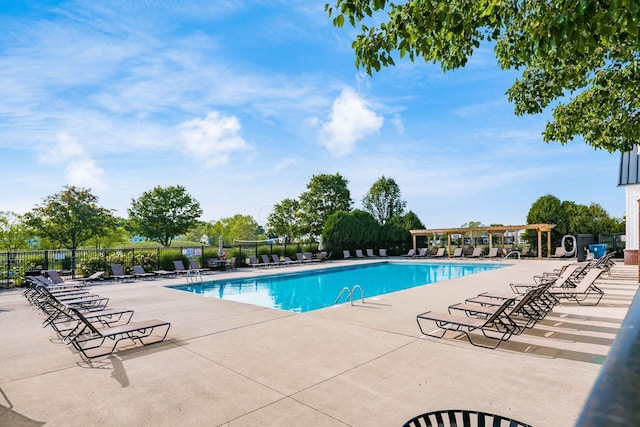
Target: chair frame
<point x="88" y="339"/>
<point x="497" y="326"/>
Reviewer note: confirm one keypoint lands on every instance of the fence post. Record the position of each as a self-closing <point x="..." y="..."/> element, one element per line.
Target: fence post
<point x="46" y="260"/>
<point x="73" y="263"/>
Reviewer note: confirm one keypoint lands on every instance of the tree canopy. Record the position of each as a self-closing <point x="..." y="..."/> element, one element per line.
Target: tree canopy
<point x="164" y="213"/>
<point x="570" y="219"/>
<point x="13" y="233"/>
<point x="284" y="221"/>
<point x="243" y="227"/>
<point x="325" y="195"/>
<point x="384" y="200"/>
<point x="580" y="57"/>
<point x="70" y="217"/>
<point x="342" y="230"/>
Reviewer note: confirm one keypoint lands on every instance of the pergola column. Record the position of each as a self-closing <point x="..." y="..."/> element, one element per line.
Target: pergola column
<point x="539" y="244"/>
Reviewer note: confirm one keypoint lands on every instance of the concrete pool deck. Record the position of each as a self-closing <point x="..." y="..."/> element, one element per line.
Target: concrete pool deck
<point x="232" y="364"/>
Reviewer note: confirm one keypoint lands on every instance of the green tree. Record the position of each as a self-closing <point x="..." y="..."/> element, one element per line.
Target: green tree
<point x="240" y="227"/>
<point x="369" y="227"/>
<point x="200" y="229"/>
<point x="117" y="236"/>
<point x="383" y="200"/>
<point x="162" y="214"/>
<point x="70" y="218"/>
<point x="13" y="232"/>
<point x="546" y="210"/>
<point x="580" y="57"/>
<point x="325" y="195"/>
<point x="284" y="220"/>
<point x="342" y="231"/>
<point x="395" y="236"/>
<point x="411" y="221"/>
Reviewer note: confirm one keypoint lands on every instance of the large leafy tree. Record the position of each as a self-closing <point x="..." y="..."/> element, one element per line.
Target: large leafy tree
<point x="13" y="233"/>
<point x="411" y="221"/>
<point x="546" y="210"/>
<point x="242" y="227"/>
<point x="395" y="236"/>
<point x="581" y="57"/>
<point x="70" y="218"/>
<point x="325" y="195"/>
<point x="342" y="231"/>
<point x="284" y="220"/>
<point x="164" y="213"/>
<point x="384" y="200"/>
<point x="370" y="228"/>
<point x="570" y="219"/>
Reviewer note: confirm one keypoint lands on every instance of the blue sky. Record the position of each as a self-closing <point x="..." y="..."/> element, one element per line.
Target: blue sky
<point x="242" y="102"/>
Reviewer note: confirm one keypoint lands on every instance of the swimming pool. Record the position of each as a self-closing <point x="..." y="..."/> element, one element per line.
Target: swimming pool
<point x="311" y="290"/>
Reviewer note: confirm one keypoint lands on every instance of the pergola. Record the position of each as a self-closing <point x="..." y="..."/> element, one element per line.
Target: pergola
<point x="497" y="229"/>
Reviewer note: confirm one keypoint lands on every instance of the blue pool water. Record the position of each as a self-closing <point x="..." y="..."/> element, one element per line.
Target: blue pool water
<point x="311" y="290"/>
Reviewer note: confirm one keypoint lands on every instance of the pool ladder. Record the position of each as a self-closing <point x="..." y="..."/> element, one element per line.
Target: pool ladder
<point x="193" y="275"/>
<point x="516" y="253"/>
<point x="349" y="293"/>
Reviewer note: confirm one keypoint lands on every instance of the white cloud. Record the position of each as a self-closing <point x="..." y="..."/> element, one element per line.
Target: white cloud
<point x="398" y="123"/>
<point x="350" y="120"/>
<point x="81" y="169"/>
<point x="83" y="172"/>
<point x="213" y="139"/>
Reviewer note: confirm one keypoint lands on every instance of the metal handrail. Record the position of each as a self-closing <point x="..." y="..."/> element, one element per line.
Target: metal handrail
<point x="361" y="293"/>
<point x="350" y="294"/>
<point x="509" y="254"/>
<point x="342" y="292"/>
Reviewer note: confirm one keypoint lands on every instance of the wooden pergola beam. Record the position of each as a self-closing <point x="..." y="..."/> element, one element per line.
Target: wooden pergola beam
<point x="540" y="228"/>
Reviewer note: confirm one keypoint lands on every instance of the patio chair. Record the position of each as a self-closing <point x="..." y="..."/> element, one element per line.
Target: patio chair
<point x="117" y="272"/>
<point x="62" y="320"/>
<point x="382" y="252"/>
<point x="439" y="254"/>
<point x="266" y="262"/>
<point x="91" y="278"/>
<point x="308" y="256"/>
<point x="497" y="327"/>
<point x="493" y="253"/>
<point x="525" y="311"/>
<point x="410" y="253"/>
<point x="584" y="289"/>
<point x="85" y="301"/>
<point x="477" y="253"/>
<point x="140" y="273"/>
<point x="291" y="261"/>
<point x="457" y="253"/>
<point x="462" y="418"/>
<point x="54" y="276"/>
<point x="178" y="266"/>
<point x="566" y="279"/>
<point x="422" y="253"/>
<point x="346" y="254"/>
<point x="194" y="266"/>
<point x="370" y="253"/>
<point x="253" y="262"/>
<point x="359" y="253"/>
<point x="559" y="253"/>
<point x="89" y="340"/>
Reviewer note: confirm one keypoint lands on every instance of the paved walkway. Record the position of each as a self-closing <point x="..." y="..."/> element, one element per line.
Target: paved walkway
<point x="231" y="364"/>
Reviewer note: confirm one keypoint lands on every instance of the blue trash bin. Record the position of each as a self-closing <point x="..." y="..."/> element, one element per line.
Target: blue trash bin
<point x="598" y="250"/>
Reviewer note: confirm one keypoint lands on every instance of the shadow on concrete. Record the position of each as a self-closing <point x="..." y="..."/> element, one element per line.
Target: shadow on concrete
<point x="9" y="417"/>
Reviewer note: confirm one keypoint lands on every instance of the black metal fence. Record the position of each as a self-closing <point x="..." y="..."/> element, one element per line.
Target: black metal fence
<point x="14" y="266"/>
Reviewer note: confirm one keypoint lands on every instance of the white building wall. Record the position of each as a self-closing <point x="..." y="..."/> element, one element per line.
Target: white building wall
<point x="632" y="193"/>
